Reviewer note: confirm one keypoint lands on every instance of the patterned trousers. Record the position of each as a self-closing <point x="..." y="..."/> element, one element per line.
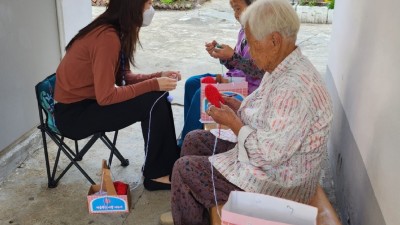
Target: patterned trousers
<point x="192" y="187"/>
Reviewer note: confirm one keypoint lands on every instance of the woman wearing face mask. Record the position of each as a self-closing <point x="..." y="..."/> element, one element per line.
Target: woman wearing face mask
<point x="96" y="91"/>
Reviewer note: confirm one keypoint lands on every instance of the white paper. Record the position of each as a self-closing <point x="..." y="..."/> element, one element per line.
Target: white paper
<point x="224" y="134"/>
<point x="270" y="208"/>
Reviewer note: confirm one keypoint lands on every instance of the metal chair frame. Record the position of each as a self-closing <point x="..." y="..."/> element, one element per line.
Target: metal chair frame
<point x="73" y="156"/>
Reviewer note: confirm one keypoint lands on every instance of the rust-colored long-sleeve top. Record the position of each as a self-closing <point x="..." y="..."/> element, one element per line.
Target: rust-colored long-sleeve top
<point x="89" y="68"/>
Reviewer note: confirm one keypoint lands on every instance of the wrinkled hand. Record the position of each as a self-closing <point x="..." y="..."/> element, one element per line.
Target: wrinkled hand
<point x="210" y="47"/>
<point x="225" y="116"/>
<point x="232" y="103"/>
<point x="172" y="74"/>
<point x="223" y="53"/>
<point x="166" y="83"/>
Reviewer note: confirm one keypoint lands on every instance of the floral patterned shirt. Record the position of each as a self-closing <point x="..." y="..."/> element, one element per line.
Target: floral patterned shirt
<point x="287" y="121"/>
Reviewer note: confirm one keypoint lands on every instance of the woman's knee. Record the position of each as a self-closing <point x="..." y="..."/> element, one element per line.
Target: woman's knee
<point x="179" y="170"/>
<point x="194" y="110"/>
<point x="180" y="163"/>
<point x="196" y="96"/>
<point x="158" y="101"/>
<point x="193" y="143"/>
<point x="194" y="135"/>
<point x="192" y="83"/>
<point x="146" y="101"/>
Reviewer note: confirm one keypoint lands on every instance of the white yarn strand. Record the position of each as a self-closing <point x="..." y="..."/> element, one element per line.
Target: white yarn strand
<point x="148" y="132"/>
<point x="101" y="184"/>
<point x="147" y="144"/>
<point x="212" y="176"/>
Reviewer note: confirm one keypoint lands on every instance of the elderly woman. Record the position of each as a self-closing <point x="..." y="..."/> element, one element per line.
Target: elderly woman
<point x="282" y="127"/>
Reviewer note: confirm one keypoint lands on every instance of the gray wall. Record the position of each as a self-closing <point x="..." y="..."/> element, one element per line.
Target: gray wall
<point x="33" y="35"/>
<point x="364" y="68"/>
<point x="355" y="197"/>
<point x="29" y="51"/>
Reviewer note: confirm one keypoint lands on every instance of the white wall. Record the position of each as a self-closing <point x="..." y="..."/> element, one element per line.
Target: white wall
<point x="73" y="15"/>
<point x="29" y="50"/>
<point x="365" y="64"/>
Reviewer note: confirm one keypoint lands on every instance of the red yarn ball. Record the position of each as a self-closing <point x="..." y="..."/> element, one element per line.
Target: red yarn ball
<point x="213" y="95"/>
<point x="120" y="187"/>
<point x="208" y="80"/>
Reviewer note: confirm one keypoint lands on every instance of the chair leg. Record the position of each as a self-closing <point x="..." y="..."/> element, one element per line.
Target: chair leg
<point x="115" y="138"/>
<point x="88" y="145"/>
<point x="53" y="175"/>
<point x="114" y="151"/>
<point x="73" y="162"/>
<point x="67" y="151"/>
<point x="50" y="179"/>
<point x="78" y="157"/>
<point x="77" y="166"/>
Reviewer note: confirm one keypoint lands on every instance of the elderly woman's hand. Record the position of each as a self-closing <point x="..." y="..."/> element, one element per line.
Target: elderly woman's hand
<point x="225" y="116"/>
<point x="225" y="52"/>
<point x="210" y="46"/>
<point x="232" y="102"/>
<point x="172" y="74"/>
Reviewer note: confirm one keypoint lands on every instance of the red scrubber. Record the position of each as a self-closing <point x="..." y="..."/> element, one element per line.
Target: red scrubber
<point x="213" y="95"/>
<point x="120" y="187"/>
<point x="208" y="80"/>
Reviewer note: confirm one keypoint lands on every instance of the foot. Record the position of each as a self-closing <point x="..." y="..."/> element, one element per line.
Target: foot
<point x="166" y="219"/>
<point x="164" y="179"/>
<point x="161" y="183"/>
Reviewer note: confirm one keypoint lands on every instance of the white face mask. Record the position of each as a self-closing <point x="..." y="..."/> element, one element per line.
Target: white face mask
<point x="148" y="16"/>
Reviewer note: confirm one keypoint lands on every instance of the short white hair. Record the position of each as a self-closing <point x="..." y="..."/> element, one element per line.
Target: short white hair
<point x="266" y="16"/>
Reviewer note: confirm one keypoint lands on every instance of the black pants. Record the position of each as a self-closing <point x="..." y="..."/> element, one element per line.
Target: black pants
<point x="81" y="119"/>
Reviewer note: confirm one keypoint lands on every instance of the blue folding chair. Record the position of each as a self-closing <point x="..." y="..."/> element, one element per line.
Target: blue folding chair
<point x="45" y="98"/>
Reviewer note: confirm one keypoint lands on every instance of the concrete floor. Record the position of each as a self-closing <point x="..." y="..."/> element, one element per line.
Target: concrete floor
<point x="174" y="41"/>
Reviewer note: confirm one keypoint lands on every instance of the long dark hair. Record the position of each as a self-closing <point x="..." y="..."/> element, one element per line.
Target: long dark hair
<point x="126" y="17"/>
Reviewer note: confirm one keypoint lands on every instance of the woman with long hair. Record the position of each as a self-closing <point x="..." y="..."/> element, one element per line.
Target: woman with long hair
<point x="97" y="92"/>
